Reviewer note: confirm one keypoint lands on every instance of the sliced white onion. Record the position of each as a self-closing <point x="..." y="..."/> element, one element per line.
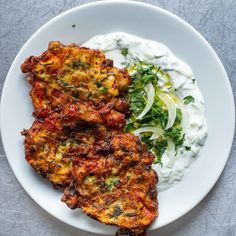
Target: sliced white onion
<point x="155" y="136"/>
<point x="158" y="132"/>
<point x="171" y="107"/>
<point x="163" y="77"/>
<point x="171" y="153"/>
<point x="154" y="130"/>
<point x="181" y="106"/>
<point x="150" y="91"/>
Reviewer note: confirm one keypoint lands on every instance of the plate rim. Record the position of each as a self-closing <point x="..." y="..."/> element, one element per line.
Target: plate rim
<point x="142" y="4"/>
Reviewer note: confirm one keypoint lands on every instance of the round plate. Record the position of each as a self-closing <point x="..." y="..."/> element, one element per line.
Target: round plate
<point x="145" y="21"/>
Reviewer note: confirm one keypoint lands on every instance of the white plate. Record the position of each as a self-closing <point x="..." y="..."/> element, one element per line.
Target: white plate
<point x="149" y="22"/>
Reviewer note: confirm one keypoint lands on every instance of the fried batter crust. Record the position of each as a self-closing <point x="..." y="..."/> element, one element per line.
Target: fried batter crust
<point x="77" y="141"/>
<point x="51" y="144"/>
<point x="116" y="185"/>
<point x="64" y="73"/>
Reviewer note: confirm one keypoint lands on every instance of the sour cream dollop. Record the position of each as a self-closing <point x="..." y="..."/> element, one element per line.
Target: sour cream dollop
<point x="183" y="81"/>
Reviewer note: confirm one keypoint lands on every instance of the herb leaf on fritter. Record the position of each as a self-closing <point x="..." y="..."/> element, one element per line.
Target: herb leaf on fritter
<point x="64" y="73"/>
<point x="117" y="186"/>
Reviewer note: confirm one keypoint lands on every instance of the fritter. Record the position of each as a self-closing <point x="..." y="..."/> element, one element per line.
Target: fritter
<point x="77" y="140"/>
<point x="115" y="184"/>
<point x="67" y="73"/>
<point x="51" y="144"/>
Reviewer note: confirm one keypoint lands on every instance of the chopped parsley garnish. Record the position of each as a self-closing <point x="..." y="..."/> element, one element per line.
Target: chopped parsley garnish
<point x="157" y="116"/>
<point x="63" y="143"/>
<point x="99" y="84"/>
<point x="111" y="183"/>
<point x="124" y="51"/>
<point x="188" y="148"/>
<point x="79" y="65"/>
<point x="104" y="90"/>
<point x="157" y="146"/>
<point x="188" y="99"/>
<point x="75" y="94"/>
<point x="63" y="83"/>
<point x="176" y="135"/>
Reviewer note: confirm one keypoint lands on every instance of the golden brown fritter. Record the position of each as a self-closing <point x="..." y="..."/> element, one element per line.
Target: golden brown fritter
<point x="51" y="144"/>
<point x="77" y="140"/>
<point x="65" y="73"/>
<point x="116" y="184"/>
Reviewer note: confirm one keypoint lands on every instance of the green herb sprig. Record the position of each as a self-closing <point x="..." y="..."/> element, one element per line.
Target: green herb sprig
<point x="188" y="99"/>
<point x="157" y="116"/>
<point x="124" y="51"/>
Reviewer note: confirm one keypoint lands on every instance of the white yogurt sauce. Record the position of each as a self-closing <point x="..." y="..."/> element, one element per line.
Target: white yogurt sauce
<point x="155" y="53"/>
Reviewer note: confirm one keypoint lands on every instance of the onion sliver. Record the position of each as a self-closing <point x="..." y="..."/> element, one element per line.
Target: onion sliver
<point x="181" y="106"/>
<point x="149" y="89"/>
<point x="158" y="132"/>
<point x="154" y="130"/>
<point x="171" y="107"/>
<point x="155" y="136"/>
<point x="171" y="151"/>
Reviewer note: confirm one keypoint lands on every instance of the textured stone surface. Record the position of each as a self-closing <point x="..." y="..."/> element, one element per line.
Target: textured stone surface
<point x="215" y="215"/>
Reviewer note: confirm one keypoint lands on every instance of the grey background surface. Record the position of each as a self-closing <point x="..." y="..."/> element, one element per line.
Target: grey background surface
<point x="215" y="215"/>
